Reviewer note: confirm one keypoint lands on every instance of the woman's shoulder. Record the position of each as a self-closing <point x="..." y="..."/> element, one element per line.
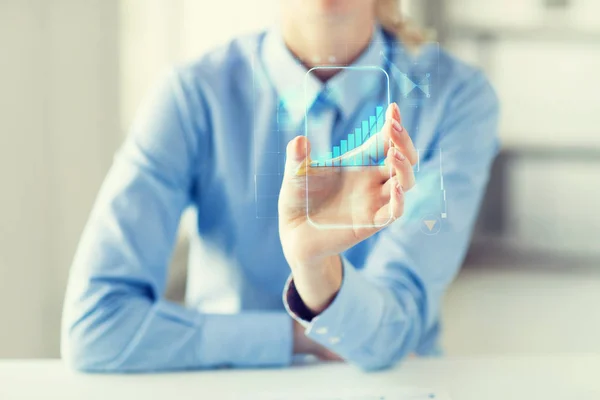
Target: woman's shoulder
<point x="446" y="72"/>
<point x="466" y="81"/>
<point x="458" y="71"/>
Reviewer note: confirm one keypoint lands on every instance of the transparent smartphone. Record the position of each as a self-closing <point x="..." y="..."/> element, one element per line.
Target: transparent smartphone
<point x="345" y="177"/>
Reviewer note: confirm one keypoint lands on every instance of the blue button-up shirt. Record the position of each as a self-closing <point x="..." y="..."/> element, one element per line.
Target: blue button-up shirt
<point x="212" y="137"/>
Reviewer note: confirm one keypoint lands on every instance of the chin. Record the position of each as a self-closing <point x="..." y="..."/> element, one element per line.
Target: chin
<point x="337" y="7"/>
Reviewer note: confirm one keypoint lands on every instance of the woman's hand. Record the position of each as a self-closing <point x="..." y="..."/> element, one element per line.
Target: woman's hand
<point x="370" y="198"/>
<point x="303" y="345"/>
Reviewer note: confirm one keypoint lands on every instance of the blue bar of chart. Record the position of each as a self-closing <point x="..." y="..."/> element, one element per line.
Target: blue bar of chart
<point x="351" y="161"/>
<point x="358" y="139"/>
<point x="336" y="156"/>
<point x="373" y="130"/>
<point x="368" y="129"/>
<point x="380" y="122"/>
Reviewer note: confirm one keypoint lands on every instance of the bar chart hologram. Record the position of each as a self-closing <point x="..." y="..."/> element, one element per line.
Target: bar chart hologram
<point x="345" y="154"/>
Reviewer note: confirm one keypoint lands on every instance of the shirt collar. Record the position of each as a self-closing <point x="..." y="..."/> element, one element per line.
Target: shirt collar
<point x="298" y="90"/>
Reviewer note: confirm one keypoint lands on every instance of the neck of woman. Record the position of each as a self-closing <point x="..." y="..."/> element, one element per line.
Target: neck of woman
<point x="328" y="41"/>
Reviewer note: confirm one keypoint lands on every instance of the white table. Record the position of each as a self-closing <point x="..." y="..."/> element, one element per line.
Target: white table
<point x="569" y="377"/>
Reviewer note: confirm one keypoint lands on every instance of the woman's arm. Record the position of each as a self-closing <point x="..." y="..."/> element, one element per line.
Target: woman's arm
<point x="115" y="318"/>
<point x="378" y="315"/>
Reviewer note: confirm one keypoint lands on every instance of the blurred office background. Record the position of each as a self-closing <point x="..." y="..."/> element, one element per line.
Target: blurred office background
<point x="72" y="73"/>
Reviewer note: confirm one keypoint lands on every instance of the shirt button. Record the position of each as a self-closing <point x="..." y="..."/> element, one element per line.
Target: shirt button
<point x="321" y="331"/>
<point x="335" y="340"/>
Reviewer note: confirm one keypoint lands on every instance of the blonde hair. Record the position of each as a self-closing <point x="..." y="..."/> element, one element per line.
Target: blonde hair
<point x="390" y="17"/>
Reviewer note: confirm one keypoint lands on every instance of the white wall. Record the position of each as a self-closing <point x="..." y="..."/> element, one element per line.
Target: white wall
<point x="23" y="200"/>
<point x="60" y="124"/>
<point x="582" y="14"/>
<point x="543" y="64"/>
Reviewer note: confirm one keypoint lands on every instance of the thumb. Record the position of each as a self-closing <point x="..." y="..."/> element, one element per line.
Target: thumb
<point x="297" y="156"/>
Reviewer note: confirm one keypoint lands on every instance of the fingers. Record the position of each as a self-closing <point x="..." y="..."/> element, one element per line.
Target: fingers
<point x="386" y="190"/>
<point x="393" y="209"/>
<point x="327" y="355"/>
<point x="398" y="134"/>
<point x="297" y="156"/>
<point x="402" y="168"/>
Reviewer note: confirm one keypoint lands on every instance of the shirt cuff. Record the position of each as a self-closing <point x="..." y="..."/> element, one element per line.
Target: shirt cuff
<point x="349" y="322"/>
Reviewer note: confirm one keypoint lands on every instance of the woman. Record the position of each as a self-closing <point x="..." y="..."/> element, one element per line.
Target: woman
<point x="367" y="291"/>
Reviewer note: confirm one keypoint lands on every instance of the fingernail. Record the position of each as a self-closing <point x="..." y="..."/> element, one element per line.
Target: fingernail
<point x="399" y="155"/>
<point x="397" y="127"/>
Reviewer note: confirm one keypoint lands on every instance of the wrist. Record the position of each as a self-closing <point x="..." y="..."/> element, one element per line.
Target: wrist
<point x="317" y="281"/>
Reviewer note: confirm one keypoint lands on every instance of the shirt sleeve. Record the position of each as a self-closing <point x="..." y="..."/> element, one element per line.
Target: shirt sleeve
<point x="390" y="306"/>
<point x="115" y="318"/>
